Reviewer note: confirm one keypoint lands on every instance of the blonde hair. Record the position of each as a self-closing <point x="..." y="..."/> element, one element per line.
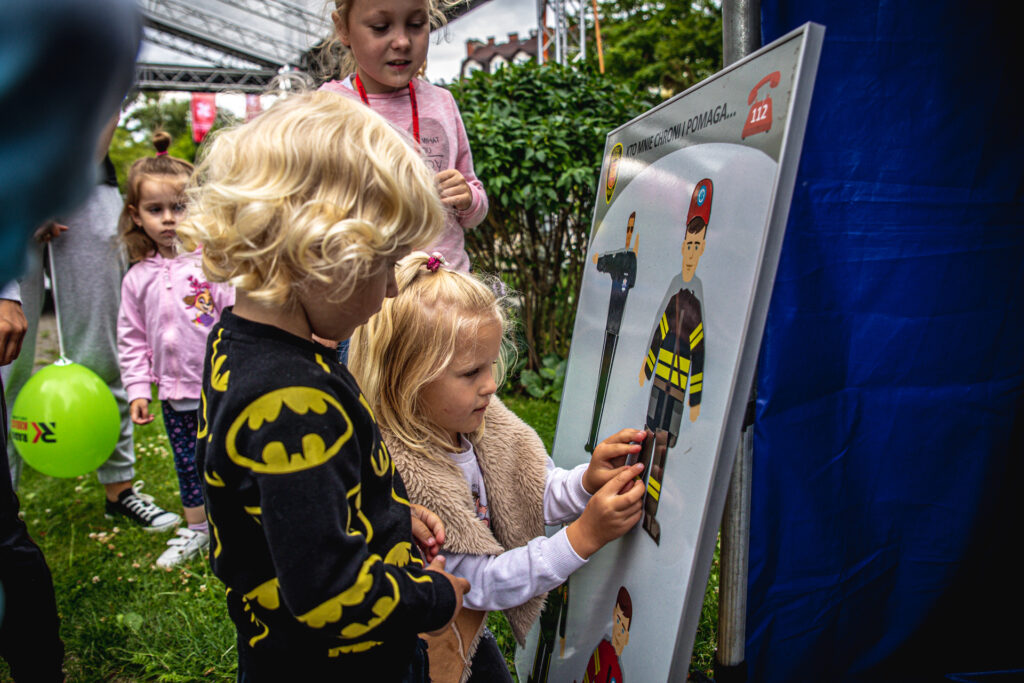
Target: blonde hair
<point x="336" y="61"/>
<point x="412" y="340"/>
<point x="161" y="168"/>
<point x="317" y="189"/>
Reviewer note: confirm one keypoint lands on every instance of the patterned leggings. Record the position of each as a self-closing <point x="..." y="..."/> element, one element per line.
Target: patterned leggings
<point x="181" y="431"/>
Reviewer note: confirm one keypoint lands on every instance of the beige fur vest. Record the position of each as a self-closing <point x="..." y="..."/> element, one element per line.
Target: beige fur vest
<point x="513" y="461"/>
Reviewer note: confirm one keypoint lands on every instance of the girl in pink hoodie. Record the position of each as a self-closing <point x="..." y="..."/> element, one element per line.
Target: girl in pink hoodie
<point x="167" y="309"/>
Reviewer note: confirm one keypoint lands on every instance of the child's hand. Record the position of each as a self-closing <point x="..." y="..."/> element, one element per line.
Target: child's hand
<point x="454" y="189"/>
<point x="613" y="511"/>
<point x="139" y="410"/>
<point x="609" y="456"/>
<point x="460" y="585"/>
<point x="428" y="530"/>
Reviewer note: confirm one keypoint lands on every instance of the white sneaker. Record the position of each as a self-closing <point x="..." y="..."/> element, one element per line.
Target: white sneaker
<point x="185" y="545"/>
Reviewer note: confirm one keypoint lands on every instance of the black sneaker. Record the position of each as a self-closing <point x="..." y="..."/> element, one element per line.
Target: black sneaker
<point x="140" y="508"/>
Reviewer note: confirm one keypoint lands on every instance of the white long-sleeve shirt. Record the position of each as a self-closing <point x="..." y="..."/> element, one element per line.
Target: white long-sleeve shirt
<point x="513" y="577"/>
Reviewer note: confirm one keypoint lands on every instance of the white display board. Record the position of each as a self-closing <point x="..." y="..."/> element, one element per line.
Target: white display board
<point x="666" y="335"/>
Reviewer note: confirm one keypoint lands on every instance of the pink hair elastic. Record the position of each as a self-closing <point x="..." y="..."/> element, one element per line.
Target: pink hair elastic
<point x="163" y="153"/>
<point x="435" y="261"/>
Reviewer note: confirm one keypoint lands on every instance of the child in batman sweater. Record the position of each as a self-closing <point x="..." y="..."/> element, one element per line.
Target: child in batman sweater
<point x="305" y="210"/>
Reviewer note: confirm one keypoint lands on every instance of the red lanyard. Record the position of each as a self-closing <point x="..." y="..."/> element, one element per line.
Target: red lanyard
<point x="412" y="101"/>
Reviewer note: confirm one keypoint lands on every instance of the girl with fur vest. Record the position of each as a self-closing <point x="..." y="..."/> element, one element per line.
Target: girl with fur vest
<point x="429" y="363"/>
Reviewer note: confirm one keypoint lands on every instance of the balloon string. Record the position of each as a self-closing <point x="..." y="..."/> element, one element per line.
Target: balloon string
<point x="56" y="304"/>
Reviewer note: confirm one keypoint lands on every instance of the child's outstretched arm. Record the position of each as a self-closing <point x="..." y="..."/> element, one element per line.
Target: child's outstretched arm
<point x="516" y="575"/>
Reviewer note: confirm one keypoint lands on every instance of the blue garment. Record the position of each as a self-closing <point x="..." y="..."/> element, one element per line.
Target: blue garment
<point x="65" y="65"/>
<point x="890" y="412"/>
<point x="343" y="351"/>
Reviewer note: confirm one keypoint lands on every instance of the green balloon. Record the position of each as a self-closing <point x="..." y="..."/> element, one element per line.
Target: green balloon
<point x="65" y="421"/>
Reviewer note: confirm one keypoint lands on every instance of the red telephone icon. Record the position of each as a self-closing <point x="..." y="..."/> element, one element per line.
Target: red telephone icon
<point x="759" y="120"/>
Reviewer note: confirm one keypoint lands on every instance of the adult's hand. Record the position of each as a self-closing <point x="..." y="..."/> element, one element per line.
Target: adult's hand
<point x="49" y="231"/>
<point x="12" y="330"/>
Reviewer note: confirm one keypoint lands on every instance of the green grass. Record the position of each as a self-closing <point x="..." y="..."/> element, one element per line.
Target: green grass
<point x="122" y="619"/>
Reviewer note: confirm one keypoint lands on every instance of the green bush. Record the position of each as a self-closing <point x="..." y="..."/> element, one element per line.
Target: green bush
<point x="546" y="382"/>
<point x="537" y="134"/>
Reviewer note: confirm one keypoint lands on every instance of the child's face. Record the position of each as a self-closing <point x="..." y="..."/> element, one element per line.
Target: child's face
<point x="337" y="320"/>
<point x="693" y="249"/>
<point x="456" y="400"/>
<point x="388" y="39"/>
<point x="159" y="211"/>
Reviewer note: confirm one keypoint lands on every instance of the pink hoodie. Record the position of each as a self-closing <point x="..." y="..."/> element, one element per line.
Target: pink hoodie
<point x="444" y="145"/>
<point x="167" y="309"/>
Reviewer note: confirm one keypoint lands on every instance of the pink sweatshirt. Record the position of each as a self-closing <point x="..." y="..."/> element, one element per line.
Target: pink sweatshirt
<point x="445" y="145"/>
<point x="167" y="309"/>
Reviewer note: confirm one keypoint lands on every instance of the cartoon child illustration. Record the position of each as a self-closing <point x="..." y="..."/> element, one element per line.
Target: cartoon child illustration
<point x="202" y="300"/>
<point x="621" y="266"/>
<point x="676" y="355"/>
<point x="604" y="665"/>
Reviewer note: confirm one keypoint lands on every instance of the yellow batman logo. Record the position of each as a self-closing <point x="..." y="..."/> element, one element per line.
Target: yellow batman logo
<point x="204" y="425"/>
<point x="311" y="451"/>
<point x="331" y="610"/>
<point x="382" y="463"/>
<point x="400" y="555"/>
<point x="266" y="594"/>
<point x="357" y="647"/>
<point x="218" y="380"/>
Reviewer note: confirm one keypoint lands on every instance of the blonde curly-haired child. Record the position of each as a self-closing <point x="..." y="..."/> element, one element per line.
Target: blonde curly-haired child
<point x="306" y="210"/>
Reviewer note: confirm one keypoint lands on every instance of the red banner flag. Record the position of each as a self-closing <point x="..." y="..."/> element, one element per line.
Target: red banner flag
<point x="204" y="111"/>
<point x="252" y="106"/>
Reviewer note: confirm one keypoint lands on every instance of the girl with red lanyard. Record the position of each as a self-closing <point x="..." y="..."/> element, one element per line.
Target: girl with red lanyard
<point x="386" y="43"/>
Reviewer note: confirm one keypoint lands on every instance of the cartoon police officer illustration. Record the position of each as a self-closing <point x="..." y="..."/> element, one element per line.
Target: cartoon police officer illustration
<point x="621" y="266"/>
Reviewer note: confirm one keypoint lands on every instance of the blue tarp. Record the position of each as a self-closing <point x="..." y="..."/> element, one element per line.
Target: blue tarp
<point x="889" y="434"/>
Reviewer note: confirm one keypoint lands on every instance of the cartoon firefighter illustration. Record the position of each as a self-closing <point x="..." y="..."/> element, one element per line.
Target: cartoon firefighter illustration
<point x="604" y="665"/>
<point x="554" y="616"/>
<point x="675" y="358"/>
<point x="621" y="266"/>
